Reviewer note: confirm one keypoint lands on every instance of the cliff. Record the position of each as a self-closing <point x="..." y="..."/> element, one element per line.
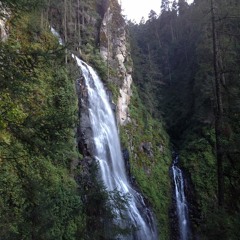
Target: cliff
<point x="5" y="14"/>
<point x="144" y="138"/>
<point x="115" y="51"/>
<point x="49" y="189"/>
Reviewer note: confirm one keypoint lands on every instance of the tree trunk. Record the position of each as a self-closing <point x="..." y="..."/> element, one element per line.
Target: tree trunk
<point x="79" y="23"/>
<point x="108" y="43"/>
<point x="219" y="109"/>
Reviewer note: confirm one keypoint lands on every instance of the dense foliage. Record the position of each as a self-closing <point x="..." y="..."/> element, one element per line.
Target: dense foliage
<point x="186" y="65"/>
<point x="150" y="158"/>
<point x="47" y="190"/>
<point x="186" y="68"/>
<point x="38" y="114"/>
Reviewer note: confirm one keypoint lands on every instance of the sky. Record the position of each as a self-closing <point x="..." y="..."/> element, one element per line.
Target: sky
<point x="136" y="9"/>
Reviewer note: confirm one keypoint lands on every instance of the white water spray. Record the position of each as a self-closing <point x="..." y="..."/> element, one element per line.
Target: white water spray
<point x="182" y="207"/>
<point x="108" y="154"/>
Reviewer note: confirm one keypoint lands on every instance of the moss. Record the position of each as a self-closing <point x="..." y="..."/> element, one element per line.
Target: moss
<point x="151" y="172"/>
<point x="198" y="158"/>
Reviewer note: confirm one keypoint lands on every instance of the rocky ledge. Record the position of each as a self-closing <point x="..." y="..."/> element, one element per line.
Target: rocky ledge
<point x="115" y="52"/>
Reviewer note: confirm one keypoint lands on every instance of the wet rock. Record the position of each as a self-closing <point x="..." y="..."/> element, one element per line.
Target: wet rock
<point x="85" y="179"/>
<point x="161" y="148"/>
<point x="126" y="158"/>
<point x="194" y="208"/>
<point x="84" y="130"/>
<point x="4" y="16"/>
<point x="147" y="148"/>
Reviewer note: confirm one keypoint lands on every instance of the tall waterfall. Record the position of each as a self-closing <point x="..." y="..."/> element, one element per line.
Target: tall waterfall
<point x="181" y="202"/>
<point x="108" y="154"/>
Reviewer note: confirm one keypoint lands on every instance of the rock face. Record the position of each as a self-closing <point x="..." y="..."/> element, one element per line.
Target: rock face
<point x="84" y="130"/>
<point x="147" y="148"/>
<point x="4" y="15"/>
<point x="115" y="52"/>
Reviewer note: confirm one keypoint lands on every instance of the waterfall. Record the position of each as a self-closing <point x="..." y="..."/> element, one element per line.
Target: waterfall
<point x="181" y="202"/>
<point x="108" y="154"/>
<point x="56" y="34"/>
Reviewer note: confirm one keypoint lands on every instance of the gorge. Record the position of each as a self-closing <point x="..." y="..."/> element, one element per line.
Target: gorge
<point x="88" y="124"/>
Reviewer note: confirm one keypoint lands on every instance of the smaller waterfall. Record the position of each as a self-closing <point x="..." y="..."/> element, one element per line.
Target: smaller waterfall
<point x="56" y="34"/>
<point x="181" y="202"/>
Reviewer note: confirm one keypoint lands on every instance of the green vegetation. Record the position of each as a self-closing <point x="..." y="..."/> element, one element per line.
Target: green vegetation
<point x="43" y="194"/>
<point x="150" y="168"/>
<point x="187" y="71"/>
<point x="100" y="206"/>
<point x="38" y="198"/>
<point x="92" y="56"/>
<point x="197" y="155"/>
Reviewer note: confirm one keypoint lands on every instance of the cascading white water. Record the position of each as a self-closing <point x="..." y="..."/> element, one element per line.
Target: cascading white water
<point x="56" y="34"/>
<point x="109" y="155"/>
<point x="181" y="202"/>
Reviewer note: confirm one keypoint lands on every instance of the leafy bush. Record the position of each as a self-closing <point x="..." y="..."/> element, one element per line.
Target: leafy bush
<point x="38" y="197"/>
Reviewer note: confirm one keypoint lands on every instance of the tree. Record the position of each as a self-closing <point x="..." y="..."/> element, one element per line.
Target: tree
<point x="152" y="15"/>
<point x="196" y="55"/>
<point x="219" y="107"/>
<point x="182" y="6"/>
<point x="165" y="7"/>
